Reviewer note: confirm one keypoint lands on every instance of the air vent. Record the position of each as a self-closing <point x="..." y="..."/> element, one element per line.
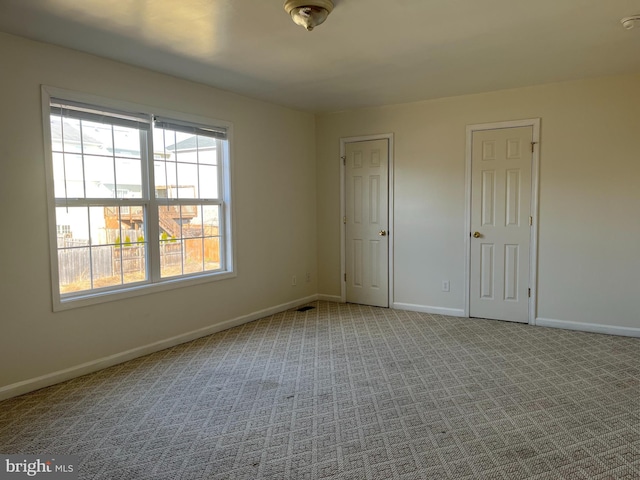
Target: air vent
<point x="304" y="309"/>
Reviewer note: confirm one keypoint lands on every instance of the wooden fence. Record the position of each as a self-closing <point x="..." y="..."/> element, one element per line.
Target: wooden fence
<point x="78" y="264"/>
<point x="75" y="264"/>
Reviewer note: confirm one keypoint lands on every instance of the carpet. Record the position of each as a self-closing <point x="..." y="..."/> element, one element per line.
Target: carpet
<point x="346" y="391"/>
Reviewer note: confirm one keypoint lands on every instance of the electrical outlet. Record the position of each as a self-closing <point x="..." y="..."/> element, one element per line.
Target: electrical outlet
<point x="445" y="286"/>
<point x="294" y="281"/>
<point x="308" y="277"/>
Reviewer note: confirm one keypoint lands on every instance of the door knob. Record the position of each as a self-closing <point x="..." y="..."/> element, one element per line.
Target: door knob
<point x="477" y="235"/>
<point x="382" y="233"/>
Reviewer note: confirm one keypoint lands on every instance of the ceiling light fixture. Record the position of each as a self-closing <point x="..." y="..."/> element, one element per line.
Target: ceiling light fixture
<point x="308" y="13"/>
<point x="630" y="22"/>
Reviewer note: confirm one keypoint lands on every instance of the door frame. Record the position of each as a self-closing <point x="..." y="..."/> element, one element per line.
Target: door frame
<point x="535" y="180"/>
<point x="343" y="210"/>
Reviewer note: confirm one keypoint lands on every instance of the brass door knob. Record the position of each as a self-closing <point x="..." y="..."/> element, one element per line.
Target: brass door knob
<point x="477" y="235"/>
<point x="382" y="233"/>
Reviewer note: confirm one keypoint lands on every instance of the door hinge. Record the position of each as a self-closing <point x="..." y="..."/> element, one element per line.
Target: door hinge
<point x="529" y="293"/>
<point x="530" y="221"/>
<point x="344" y="160"/>
<point x="345" y="277"/>
<point x="344" y="220"/>
<point x="533" y="144"/>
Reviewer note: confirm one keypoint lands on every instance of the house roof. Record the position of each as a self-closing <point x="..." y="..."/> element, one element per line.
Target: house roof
<point x="191" y="144"/>
<point x="368" y="52"/>
<point x="71" y="134"/>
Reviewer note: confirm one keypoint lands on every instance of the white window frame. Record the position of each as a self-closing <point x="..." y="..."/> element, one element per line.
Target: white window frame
<point x="153" y="283"/>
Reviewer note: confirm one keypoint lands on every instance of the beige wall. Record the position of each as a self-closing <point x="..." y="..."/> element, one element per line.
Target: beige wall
<point x="589" y="223"/>
<point x="275" y="204"/>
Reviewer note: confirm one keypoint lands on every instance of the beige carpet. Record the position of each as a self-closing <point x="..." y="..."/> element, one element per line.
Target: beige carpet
<point x="350" y="392"/>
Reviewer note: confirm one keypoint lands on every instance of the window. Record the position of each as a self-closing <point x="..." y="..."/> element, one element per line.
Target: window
<point x="63" y="229"/>
<point x="138" y="201"/>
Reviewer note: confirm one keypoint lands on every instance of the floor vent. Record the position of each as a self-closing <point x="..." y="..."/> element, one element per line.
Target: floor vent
<point x="304" y="309"/>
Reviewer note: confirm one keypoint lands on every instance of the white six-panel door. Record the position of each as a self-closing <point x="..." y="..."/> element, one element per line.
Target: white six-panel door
<point x="501" y="166"/>
<point x="366" y="222"/>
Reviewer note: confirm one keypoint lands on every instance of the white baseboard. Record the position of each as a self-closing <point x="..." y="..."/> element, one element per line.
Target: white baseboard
<point x="330" y="298"/>
<point x="588" y="327"/>
<point x="49" y="379"/>
<point x="452" y="312"/>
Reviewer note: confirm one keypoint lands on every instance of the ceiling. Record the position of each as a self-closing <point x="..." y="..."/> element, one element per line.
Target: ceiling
<point x="367" y="53"/>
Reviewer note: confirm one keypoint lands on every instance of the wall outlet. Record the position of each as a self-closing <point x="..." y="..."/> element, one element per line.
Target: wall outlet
<point x="294" y="281"/>
<point x="308" y="277"/>
<point x="446" y="286"/>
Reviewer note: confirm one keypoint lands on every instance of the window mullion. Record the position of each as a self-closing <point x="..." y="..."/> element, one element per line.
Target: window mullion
<point x="222" y="196"/>
<point x="226" y="218"/>
<point x="187" y="201"/>
<point x="152" y="221"/>
<point x="84" y="177"/>
<point x="100" y="202"/>
<point x="220" y="152"/>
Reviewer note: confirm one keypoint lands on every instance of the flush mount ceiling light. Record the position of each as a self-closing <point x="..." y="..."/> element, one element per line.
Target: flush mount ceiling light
<point x="630" y="22"/>
<point x="308" y="13"/>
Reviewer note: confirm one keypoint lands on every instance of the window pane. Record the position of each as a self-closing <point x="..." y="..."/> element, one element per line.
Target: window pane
<point x="165" y="176"/>
<point x="74" y="269"/>
<point x="196" y="174"/>
<point x="170" y="241"/>
<point x="104" y="223"/>
<point x="70" y="134"/>
<point x="111" y="225"/>
<point x="170" y="257"/>
<point x="193" y="254"/>
<point x="187" y="180"/>
<point x="121" y="231"/>
<point x="74" y="173"/>
<point x="191" y="218"/>
<point x="128" y="178"/>
<point x="97" y="138"/>
<point x="211" y="219"/>
<point x="185" y="147"/>
<point x="191" y="221"/>
<point x="207" y="153"/>
<point x="99" y="177"/>
<point x="169" y="217"/>
<point x="56" y="133"/>
<point x="207" y="157"/>
<point x="211" y="229"/>
<point x="131" y="227"/>
<point x="187" y="214"/>
<point x="106" y="266"/>
<point x="212" y="253"/>
<point x="159" y="152"/>
<point x="126" y="142"/>
<point x="134" y="263"/>
<point x="72" y="225"/>
<point x="160" y="179"/>
<point x="169" y="140"/>
<point x="208" y="182"/>
<point x="58" y="176"/>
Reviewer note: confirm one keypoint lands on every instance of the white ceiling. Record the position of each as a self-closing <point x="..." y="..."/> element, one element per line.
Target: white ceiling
<point x="368" y="52"/>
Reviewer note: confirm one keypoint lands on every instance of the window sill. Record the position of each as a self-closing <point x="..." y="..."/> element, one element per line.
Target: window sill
<point x="95" y="298"/>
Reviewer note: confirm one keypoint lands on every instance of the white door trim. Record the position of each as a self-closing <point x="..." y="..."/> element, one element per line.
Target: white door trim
<point x="343" y="209"/>
<point x="535" y="171"/>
